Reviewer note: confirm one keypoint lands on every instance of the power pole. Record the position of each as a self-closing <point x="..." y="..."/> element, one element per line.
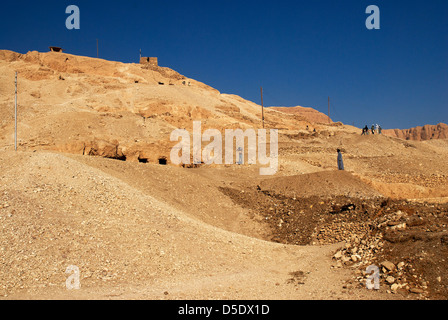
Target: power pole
<point x="262" y="107"/>
<point x="15" y="117"/>
<point x="97" y="49"/>
<point x="329" y="119"/>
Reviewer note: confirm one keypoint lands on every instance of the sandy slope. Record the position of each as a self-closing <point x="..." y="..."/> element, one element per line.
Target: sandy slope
<point x="59" y="211"/>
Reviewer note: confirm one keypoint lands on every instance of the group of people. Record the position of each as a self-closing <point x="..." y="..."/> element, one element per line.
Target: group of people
<point x="365" y="131"/>
<point x="373" y="129"/>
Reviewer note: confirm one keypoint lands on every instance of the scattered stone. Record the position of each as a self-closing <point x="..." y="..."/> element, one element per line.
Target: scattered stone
<point x="390" y="280"/>
<point x="338" y="255"/>
<point x="388" y="265"/>
<point x="416" y="290"/>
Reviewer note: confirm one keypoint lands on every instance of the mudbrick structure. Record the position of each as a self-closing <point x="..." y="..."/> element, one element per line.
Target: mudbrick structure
<point x="153" y="61"/>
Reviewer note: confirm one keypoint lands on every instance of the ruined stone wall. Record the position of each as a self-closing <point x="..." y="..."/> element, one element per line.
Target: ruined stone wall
<point x="153" y="61"/>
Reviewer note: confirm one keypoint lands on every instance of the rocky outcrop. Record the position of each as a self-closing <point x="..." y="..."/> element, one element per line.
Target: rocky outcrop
<point x="426" y="132"/>
<point x="309" y="114"/>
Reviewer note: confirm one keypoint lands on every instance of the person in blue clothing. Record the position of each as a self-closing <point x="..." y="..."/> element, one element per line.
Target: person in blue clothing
<point x="340" y="161"/>
<point x="240" y="155"/>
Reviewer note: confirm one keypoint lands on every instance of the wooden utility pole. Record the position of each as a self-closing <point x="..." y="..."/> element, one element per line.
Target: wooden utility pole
<point x="15" y="117"/>
<point x="262" y="107"/>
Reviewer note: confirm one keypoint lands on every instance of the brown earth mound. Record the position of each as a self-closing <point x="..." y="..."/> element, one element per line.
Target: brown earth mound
<point x="407" y="241"/>
<point x="321" y="184"/>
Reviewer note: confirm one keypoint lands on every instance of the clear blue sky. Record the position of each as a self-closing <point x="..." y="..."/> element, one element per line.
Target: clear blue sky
<point x="300" y="52"/>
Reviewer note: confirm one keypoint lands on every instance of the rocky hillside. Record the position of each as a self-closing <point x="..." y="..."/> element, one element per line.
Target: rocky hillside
<point x="123" y="111"/>
<point x="427" y="132"/>
<point x="309" y="114"/>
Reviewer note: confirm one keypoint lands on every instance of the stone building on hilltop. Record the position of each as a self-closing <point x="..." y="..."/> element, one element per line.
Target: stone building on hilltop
<point x="152" y="61"/>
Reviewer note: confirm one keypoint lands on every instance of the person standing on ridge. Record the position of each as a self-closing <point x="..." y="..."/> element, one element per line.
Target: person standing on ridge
<point x="365" y="130"/>
<point x="340" y="161"/>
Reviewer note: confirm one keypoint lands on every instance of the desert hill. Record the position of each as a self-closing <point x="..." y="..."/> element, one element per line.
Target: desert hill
<point x="137" y="229"/>
<point x="116" y="110"/>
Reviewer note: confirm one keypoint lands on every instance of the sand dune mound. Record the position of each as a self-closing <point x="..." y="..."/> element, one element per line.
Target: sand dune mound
<point x="321" y="184"/>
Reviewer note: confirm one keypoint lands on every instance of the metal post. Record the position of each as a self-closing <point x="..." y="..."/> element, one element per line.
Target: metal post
<point x="262" y="107"/>
<point x="15" y="117"/>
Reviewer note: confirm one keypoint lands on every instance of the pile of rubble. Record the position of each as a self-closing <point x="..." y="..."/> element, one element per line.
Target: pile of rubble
<point x="406" y="241"/>
<point x="365" y="253"/>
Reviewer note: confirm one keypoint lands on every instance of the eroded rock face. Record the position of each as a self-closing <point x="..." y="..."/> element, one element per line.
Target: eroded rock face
<point x="426" y="132"/>
<point x="309" y="114"/>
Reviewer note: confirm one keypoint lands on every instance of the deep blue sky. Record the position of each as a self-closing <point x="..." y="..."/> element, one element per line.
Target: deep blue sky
<point x="300" y="52"/>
